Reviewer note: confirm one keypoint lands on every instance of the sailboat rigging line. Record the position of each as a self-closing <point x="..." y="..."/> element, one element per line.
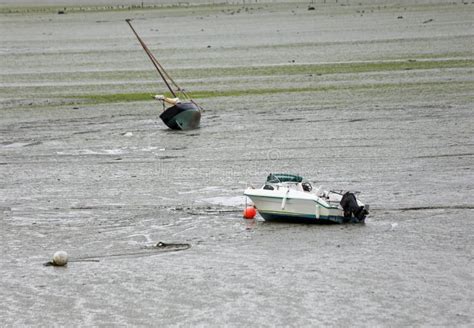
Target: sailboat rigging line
<point x="166" y="74"/>
<point x="153" y="60"/>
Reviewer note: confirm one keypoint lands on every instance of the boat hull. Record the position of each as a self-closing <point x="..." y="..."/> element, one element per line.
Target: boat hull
<point x="182" y="116"/>
<point x="287" y="218"/>
<point x="292" y="207"/>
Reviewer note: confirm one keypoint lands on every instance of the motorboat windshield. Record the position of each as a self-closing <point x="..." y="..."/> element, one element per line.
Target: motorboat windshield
<point x="283" y="177"/>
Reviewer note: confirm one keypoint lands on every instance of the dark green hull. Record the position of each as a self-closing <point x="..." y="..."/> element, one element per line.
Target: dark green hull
<point x="273" y="217"/>
<point x="182" y="116"/>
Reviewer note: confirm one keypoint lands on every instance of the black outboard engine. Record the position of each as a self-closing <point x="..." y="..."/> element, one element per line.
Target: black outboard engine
<point x="350" y="207"/>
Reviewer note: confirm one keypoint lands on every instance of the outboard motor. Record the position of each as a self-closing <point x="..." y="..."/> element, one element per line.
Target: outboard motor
<point x="350" y="207"/>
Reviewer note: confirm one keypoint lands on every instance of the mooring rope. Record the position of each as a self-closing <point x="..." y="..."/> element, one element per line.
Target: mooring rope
<point x="156" y="249"/>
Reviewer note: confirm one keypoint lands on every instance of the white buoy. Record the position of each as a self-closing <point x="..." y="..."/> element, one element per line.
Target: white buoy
<point x="60" y="258"/>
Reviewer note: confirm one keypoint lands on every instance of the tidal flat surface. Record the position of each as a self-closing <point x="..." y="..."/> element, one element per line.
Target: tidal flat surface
<point x="374" y="98"/>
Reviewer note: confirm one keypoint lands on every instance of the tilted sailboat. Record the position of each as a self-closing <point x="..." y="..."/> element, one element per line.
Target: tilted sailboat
<point x="180" y="114"/>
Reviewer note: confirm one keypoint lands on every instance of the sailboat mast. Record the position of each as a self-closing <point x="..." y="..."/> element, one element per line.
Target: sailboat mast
<point x="155" y="62"/>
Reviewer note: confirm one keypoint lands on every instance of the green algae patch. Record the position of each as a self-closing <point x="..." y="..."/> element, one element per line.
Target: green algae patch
<point x="268" y="70"/>
<point x="331" y="68"/>
<point x="114" y="98"/>
<point x="290" y="69"/>
<point x="380" y="87"/>
<point x="132" y="97"/>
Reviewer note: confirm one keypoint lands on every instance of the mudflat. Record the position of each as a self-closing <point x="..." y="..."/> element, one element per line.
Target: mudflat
<point x="376" y="98"/>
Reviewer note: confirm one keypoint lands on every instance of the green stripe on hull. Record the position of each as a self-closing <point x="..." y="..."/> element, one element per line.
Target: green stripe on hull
<point x="188" y="119"/>
<point x="299" y="217"/>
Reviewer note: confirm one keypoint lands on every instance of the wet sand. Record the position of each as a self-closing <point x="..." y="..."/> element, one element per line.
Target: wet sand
<point x="107" y="179"/>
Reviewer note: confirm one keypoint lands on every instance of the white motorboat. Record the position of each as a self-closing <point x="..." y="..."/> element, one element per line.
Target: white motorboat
<point x="286" y="197"/>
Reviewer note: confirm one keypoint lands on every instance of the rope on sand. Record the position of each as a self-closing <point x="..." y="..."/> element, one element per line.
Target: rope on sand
<point x="158" y="248"/>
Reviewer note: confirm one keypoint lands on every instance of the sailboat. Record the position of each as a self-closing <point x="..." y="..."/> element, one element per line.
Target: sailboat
<point x="179" y="112"/>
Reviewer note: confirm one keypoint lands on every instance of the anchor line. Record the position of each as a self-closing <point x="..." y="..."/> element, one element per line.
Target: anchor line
<point x="146" y="251"/>
<point x="161" y="71"/>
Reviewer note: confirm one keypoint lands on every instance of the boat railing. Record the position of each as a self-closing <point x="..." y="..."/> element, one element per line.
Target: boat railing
<point x="342" y="192"/>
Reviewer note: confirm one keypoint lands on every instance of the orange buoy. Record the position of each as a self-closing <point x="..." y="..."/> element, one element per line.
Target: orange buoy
<point x="250" y="212"/>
